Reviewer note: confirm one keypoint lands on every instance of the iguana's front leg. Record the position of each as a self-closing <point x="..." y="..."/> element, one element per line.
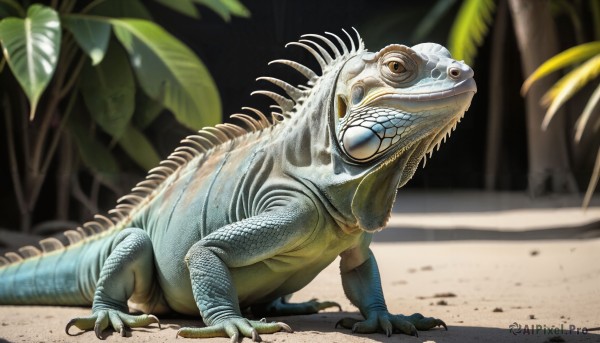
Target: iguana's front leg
<point x="362" y="286"/>
<point x="237" y="245"/>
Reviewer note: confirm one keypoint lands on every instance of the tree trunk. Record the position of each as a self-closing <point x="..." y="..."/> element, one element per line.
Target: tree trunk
<point x="496" y="98"/>
<point x="549" y="165"/>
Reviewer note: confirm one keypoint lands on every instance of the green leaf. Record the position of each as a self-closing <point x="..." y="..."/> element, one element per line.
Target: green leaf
<point x="169" y="72"/>
<point x="217" y="6"/>
<point x="590" y="106"/>
<point x="93" y="154"/>
<point x="31" y="47"/>
<point x="137" y="146"/>
<point x="470" y="27"/>
<point x="91" y="34"/>
<point x="568" y="57"/>
<point x="564" y="88"/>
<point x="185" y="7"/>
<point x="236" y="8"/>
<point x="109" y="91"/>
<point x="593" y="182"/>
<point x="225" y="8"/>
<point x="146" y="110"/>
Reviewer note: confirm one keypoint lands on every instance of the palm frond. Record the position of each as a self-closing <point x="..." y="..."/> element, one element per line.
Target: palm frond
<point x="593" y="182"/>
<point x="568" y="57"/>
<point x="469" y="28"/>
<point x="564" y="89"/>
<point x="587" y="113"/>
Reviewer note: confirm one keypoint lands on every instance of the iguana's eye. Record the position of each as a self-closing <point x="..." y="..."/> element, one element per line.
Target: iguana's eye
<point x="399" y="67"/>
<point x="396" y="67"/>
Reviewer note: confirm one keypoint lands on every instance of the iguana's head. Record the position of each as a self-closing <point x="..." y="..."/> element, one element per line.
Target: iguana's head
<point x="398" y="97"/>
<point x="392" y="107"/>
<point x="358" y="131"/>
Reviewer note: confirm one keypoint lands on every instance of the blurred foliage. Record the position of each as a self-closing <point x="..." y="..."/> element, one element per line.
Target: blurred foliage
<point x="585" y="60"/>
<point x="111" y="62"/>
<point x="470" y="27"/>
<point x="468" y="23"/>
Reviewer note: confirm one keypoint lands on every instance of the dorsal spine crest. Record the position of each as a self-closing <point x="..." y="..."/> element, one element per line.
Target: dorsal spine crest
<point x="206" y="140"/>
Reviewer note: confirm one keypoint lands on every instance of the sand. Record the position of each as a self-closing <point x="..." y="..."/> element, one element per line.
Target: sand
<point x="480" y="271"/>
<point x="486" y="287"/>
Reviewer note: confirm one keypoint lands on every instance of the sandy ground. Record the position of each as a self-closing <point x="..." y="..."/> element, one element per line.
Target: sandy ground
<point x="521" y="275"/>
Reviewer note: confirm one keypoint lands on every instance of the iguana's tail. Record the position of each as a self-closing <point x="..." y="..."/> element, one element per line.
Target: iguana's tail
<point x="57" y="276"/>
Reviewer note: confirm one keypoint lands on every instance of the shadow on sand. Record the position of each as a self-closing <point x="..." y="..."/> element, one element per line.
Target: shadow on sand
<point x="323" y="324"/>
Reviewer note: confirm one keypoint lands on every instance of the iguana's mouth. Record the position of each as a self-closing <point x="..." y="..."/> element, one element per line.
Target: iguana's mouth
<point x="461" y="87"/>
<point x="464" y="86"/>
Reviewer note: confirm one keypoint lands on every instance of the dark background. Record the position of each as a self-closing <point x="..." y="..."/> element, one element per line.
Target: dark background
<point x="237" y="52"/>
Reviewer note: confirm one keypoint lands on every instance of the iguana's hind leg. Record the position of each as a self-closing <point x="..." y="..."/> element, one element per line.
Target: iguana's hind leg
<point x="281" y="307"/>
<point x="126" y="273"/>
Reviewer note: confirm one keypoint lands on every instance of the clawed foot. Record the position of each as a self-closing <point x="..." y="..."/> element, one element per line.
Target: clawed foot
<point x="322" y="305"/>
<point x="389" y="323"/>
<point x="234" y="328"/>
<point x="279" y="307"/>
<point x="119" y="321"/>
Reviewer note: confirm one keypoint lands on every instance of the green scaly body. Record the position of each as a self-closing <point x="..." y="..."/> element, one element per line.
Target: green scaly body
<point x="241" y="218"/>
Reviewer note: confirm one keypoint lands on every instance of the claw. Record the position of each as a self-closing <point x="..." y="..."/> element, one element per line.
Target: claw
<point x="155" y="320"/>
<point x="263" y="320"/>
<point x="328" y="304"/>
<point x="386" y="325"/>
<point x="285" y="327"/>
<point x="346" y="323"/>
<point x="443" y="324"/>
<point x="69" y="324"/>
<point x="255" y="336"/>
<point x="98" y="331"/>
<point x="414" y="332"/>
<point x="235" y="338"/>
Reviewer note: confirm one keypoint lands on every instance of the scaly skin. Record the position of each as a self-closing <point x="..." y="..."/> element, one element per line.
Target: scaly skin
<point x="257" y="217"/>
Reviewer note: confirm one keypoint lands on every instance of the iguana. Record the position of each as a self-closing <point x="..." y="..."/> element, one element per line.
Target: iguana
<point x="240" y="216"/>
